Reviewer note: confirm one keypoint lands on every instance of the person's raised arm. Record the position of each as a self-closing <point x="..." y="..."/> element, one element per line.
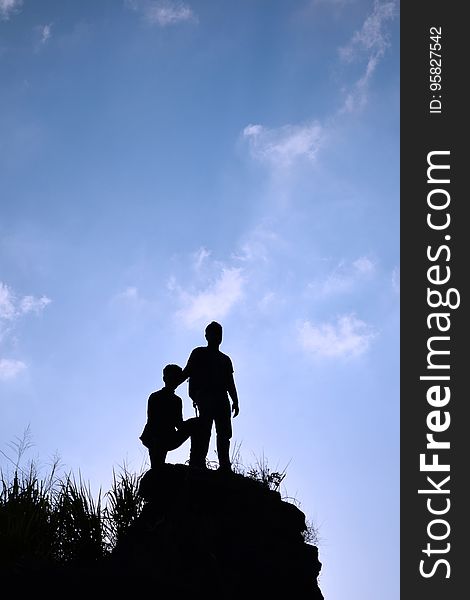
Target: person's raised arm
<point x="184" y="375"/>
<point x="186" y="372"/>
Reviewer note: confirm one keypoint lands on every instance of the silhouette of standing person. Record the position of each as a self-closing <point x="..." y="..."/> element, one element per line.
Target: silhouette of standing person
<point x="165" y="429"/>
<point x="211" y="382"/>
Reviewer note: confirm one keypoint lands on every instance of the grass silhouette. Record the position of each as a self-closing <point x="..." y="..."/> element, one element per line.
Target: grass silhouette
<point x="54" y="518"/>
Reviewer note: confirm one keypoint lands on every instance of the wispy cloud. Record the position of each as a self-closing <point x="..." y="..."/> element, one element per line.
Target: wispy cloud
<point x="214" y="288"/>
<point x="200" y="258"/>
<point x="9" y="369"/>
<point x="32" y="304"/>
<point x="12" y="308"/>
<point x="364" y="265"/>
<point x="214" y="301"/>
<point x="281" y="146"/>
<point x="269" y="302"/>
<point x="8" y="8"/>
<point x="7" y="302"/>
<point x="129" y="297"/>
<point x="371" y="38"/>
<point x="257" y="245"/>
<point x="348" y="337"/>
<point x="369" y="43"/>
<point x="163" y="12"/>
<point x="344" y="277"/>
<point x="46" y="32"/>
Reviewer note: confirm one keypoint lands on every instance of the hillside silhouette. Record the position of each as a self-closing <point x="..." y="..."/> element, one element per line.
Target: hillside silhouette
<point x="176" y="531"/>
<point x="201" y="532"/>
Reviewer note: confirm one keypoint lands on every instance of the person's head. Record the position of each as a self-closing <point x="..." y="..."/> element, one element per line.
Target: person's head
<point x="214" y="334"/>
<point x="172" y="376"/>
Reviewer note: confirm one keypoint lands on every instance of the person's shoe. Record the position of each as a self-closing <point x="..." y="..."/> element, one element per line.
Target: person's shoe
<point x="224" y="469"/>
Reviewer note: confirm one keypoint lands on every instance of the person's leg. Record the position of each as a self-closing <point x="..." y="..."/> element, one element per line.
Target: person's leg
<point x="182" y="434"/>
<point x="223" y="428"/>
<point x="195" y="428"/>
<point x="200" y="442"/>
<point x="223" y="452"/>
<point x="157" y="455"/>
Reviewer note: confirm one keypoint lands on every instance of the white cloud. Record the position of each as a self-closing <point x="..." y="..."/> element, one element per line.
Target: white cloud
<point x="169" y="13"/>
<point x="12" y="309"/>
<point x="31" y="304"/>
<point x="282" y="146"/>
<point x="131" y="298"/>
<point x="9" y="7"/>
<point x="371" y="41"/>
<point x="7" y="306"/>
<point x="163" y="12"/>
<point x="45" y="31"/>
<point x="213" y="302"/>
<point x="357" y="97"/>
<point x="335" y="283"/>
<point x="371" y="37"/>
<point x="257" y="245"/>
<point x="130" y="294"/>
<point x="347" y="337"/>
<point x="364" y="265"/>
<point x="269" y="301"/>
<point x="9" y="369"/>
<point x="344" y="277"/>
<point x="200" y="257"/>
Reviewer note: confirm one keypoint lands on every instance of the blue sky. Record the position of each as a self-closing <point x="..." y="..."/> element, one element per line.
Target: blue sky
<point x="164" y="164"/>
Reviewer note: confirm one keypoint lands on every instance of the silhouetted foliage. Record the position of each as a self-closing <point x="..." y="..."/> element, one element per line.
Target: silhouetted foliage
<point x="55" y="517"/>
<point x="124" y="505"/>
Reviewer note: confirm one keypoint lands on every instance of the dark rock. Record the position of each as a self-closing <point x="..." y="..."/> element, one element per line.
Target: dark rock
<point x="216" y="534"/>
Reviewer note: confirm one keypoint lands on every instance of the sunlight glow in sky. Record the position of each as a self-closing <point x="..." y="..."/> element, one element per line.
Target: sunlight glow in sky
<point x="164" y="164"/>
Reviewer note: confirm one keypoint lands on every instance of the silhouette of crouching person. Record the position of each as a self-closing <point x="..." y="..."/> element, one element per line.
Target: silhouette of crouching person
<point x="165" y="429"/>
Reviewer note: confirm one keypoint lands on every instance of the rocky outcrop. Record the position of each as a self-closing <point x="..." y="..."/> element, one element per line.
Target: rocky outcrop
<point x="205" y="533"/>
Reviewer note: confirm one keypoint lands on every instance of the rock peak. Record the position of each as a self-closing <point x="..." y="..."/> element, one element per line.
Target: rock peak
<point x="211" y="533"/>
